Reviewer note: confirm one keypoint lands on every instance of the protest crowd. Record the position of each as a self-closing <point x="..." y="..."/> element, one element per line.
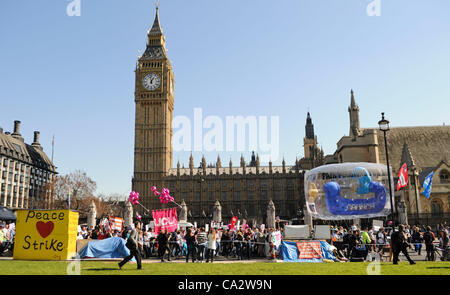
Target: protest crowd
<point x="201" y="245"/>
<point x="205" y="245"/>
<point x="7" y="234"/>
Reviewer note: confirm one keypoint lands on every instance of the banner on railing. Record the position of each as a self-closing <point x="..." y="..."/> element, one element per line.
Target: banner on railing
<point x="309" y="250"/>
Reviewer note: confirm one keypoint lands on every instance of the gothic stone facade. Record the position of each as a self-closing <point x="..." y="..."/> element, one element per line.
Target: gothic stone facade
<point x="422" y="148"/>
<point x="242" y="191"/>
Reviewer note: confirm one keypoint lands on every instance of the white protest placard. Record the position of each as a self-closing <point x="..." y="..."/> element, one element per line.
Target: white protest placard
<point x="296" y="231"/>
<point x="276" y="238"/>
<point x="378" y="223"/>
<point x="322" y="232"/>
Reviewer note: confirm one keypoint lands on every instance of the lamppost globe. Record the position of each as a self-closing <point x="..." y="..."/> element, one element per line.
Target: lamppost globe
<point x="383" y="123"/>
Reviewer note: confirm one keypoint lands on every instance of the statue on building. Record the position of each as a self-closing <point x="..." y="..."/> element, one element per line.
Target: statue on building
<point x="184" y="211"/>
<point x="128" y="218"/>
<point x="217" y="212"/>
<point x="270" y="220"/>
<point x="402" y="216"/>
<point x="92" y="216"/>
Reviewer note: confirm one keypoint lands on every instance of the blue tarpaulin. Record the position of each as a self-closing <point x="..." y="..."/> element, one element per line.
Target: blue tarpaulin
<point x="107" y="248"/>
<point x="289" y="252"/>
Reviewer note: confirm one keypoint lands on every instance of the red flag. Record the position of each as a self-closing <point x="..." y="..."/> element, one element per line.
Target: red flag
<point x="233" y="221"/>
<point x="402" y="177"/>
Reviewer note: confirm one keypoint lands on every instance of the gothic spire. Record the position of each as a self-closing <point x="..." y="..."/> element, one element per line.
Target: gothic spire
<point x="191" y="161"/>
<point x="218" y="162"/>
<point x="352" y="99"/>
<point x="353" y="111"/>
<point x="156" y="42"/>
<point x="242" y="161"/>
<point x="156" y="28"/>
<point x="309" y="127"/>
<point x="407" y="156"/>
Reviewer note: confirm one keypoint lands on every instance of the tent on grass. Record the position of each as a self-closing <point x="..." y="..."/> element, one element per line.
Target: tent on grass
<point x="6" y="214"/>
<point x="107" y="248"/>
<point x="306" y="251"/>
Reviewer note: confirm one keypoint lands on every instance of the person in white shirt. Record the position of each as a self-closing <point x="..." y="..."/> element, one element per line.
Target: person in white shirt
<point x="211" y="245"/>
<point x="381" y="239"/>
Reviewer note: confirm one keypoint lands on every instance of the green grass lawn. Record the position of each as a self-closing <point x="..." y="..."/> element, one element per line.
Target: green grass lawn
<point x="15" y="267"/>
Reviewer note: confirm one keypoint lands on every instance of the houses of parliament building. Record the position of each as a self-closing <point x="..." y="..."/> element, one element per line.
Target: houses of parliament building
<point x="244" y="191"/>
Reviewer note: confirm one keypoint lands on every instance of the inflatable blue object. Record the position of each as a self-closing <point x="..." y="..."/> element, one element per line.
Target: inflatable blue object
<point x="107" y="248"/>
<point x="289" y="252"/>
<point x="363" y="181"/>
<point x="347" y="191"/>
<point x="339" y="205"/>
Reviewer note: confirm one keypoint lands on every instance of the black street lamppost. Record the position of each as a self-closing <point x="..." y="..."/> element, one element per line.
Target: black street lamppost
<point x="384" y="126"/>
<point x="201" y="181"/>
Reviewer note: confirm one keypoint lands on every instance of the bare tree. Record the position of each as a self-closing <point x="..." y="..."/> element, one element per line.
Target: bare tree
<point x="81" y="187"/>
<point x="82" y="194"/>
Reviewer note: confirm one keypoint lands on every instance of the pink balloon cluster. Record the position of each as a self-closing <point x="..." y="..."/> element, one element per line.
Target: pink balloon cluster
<point x="155" y="191"/>
<point x="134" y="198"/>
<point x="164" y="196"/>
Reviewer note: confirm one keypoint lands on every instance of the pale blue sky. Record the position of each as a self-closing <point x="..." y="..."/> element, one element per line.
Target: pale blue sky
<point x="73" y="77"/>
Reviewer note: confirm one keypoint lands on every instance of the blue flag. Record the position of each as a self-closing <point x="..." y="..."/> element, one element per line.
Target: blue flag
<point x="427" y="185"/>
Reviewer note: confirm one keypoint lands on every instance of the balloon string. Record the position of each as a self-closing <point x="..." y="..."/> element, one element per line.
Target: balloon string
<point x="177" y="204"/>
<point x="143" y="207"/>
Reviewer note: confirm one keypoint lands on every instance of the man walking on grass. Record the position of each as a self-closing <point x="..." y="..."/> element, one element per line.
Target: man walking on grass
<point x="400" y="244"/>
<point x="132" y="245"/>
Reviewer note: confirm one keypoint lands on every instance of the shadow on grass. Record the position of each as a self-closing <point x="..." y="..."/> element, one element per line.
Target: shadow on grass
<point x="104" y="268"/>
<point x="445" y="267"/>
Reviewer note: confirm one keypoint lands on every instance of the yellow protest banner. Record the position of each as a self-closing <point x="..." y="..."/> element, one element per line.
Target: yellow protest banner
<point x="45" y="234"/>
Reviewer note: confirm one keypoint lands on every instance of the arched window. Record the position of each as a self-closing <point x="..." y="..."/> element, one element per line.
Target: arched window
<point x="444" y="176"/>
<point x="436" y="207"/>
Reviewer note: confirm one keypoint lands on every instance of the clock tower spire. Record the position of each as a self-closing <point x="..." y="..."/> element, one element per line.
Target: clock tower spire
<point x="154" y="99"/>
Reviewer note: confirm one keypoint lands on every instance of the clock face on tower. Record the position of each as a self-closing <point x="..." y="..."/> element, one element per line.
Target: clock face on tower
<point x="151" y="81"/>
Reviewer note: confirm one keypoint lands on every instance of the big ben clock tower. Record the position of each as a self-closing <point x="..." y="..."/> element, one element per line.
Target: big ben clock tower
<point x="154" y="98"/>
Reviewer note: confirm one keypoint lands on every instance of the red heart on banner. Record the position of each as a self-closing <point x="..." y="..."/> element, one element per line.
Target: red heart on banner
<point x="44" y="228"/>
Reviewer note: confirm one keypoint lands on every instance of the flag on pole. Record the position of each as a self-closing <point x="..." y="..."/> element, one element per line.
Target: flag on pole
<point x="427" y="185"/>
<point x="402" y="177"/>
<point x="68" y="199"/>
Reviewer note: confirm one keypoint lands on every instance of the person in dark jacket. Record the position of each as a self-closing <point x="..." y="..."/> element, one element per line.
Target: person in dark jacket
<point x="191" y="242"/>
<point x="443" y="244"/>
<point x="226" y="243"/>
<point x="239" y="244"/>
<point x="417" y="239"/>
<point x="428" y="238"/>
<point x="132" y="245"/>
<point x="399" y="244"/>
<point x="352" y="241"/>
<point x="174" y="246"/>
<point x="163" y="241"/>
